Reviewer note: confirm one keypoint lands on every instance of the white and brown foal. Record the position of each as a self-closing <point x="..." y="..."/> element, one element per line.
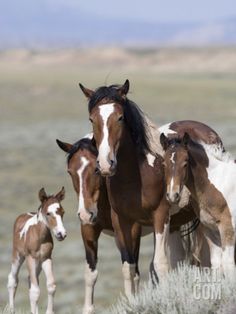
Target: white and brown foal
<point x="32" y="240"/>
<point x="210" y="175"/>
<point x="94" y="209"/>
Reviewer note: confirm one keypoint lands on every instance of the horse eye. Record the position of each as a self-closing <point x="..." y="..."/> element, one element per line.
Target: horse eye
<point x="91" y="120"/>
<point x="121" y="118"/>
<point x="48" y="214"/>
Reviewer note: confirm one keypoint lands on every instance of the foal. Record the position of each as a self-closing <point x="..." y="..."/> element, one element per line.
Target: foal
<point x="94" y="209"/>
<point x="210" y="175"/>
<point x="32" y="240"/>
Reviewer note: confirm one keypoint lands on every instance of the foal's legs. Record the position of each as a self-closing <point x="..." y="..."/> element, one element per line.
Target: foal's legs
<point x="34" y="269"/>
<point x="90" y="235"/>
<point x="160" y="263"/>
<point x="124" y="241"/>
<point x="227" y="234"/>
<point x="51" y="286"/>
<point x="13" y="280"/>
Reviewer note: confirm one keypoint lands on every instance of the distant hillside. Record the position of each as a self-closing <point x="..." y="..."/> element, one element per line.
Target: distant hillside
<point x="39" y="25"/>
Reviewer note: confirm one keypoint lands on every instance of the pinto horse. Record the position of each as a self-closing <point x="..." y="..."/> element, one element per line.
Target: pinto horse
<point x="135" y="184"/>
<point x="210" y="175"/>
<point x="133" y="170"/>
<point x="94" y="209"/>
<point x="32" y="240"/>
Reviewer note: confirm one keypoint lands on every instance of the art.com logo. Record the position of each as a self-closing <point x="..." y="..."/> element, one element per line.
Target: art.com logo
<point x="207" y="284"/>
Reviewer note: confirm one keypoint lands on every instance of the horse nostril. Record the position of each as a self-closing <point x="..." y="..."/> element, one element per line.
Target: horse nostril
<point x="177" y="196"/>
<point x="92" y="218"/>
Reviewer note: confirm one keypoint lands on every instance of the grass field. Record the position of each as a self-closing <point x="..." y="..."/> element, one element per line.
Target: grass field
<point x="40" y="101"/>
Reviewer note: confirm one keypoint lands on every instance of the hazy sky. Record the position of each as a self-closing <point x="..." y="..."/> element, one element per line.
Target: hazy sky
<point x="156" y="10"/>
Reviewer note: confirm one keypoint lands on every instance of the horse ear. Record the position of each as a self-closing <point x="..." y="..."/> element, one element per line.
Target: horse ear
<point x="42" y="195"/>
<point x="124" y="89"/>
<point x="64" y="146"/>
<point x="164" y="141"/>
<point x="87" y="92"/>
<point x="186" y="139"/>
<point x="61" y="195"/>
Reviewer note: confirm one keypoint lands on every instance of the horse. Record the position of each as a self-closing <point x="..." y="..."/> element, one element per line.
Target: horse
<point x="210" y="175"/>
<point x="32" y="240"/>
<point x="133" y="170"/>
<point x="94" y="209"/>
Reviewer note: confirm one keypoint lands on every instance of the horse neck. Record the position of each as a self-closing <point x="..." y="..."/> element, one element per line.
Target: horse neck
<point x="197" y="179"/>
<point x="43" y="230"/>
<point x="127" y="154"/>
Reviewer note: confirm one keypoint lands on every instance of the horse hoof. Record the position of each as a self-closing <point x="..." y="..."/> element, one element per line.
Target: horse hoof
<point x="89" y="310"/>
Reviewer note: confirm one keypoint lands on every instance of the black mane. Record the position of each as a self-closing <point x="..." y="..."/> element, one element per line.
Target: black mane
<point x="133" y="115"/>
<point x="84" y="143"/>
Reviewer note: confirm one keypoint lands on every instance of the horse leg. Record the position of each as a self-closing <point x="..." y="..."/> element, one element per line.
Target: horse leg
<point x="177" y="252"/>
<point x="13" y="280"/>
<point x="227" y="234"/>
<point x="34" y="291"/>
<point x="136" y="236"/>
<point x="90" y="235"/>
<point x="123" y="237"/>
<point x="51" y="285"/>
<point x="160" y="262"/>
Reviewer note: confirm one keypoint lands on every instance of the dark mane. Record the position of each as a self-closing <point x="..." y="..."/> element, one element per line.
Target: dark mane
<point x="133" y="115"/>
<point x="84" y="143"/>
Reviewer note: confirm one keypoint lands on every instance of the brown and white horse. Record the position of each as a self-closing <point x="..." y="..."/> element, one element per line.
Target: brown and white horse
<point x="94" y="209"/>
<point x="134" y="172"/>
<point x="210" y="175"/>
<point x="135" y="184"/>
<point x="32" y="240"/>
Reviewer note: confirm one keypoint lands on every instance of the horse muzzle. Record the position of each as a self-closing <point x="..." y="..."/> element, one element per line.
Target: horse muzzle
<point x="87" y="217"/>
<point x="107" y="169"/>
<point x="173" y="198"/>
<point x="60" y="235"/>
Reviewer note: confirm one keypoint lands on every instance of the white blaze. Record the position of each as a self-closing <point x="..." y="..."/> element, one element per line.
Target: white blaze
<point x="84" y="163"/>
<point x="104" y="148"/>
<point x="172" y="158"/>
<point x="52" y="209"/>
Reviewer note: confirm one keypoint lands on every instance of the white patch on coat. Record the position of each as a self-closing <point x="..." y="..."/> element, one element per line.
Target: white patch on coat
<point x="166" y="129"/>
<point x="171" y="186"/>
<point x="222" y="174"/>
<point x="217" y="151"/>
<point x="161" y="254"/>
<point x="104" y="148"/>
<point x="31" y="222"/>
<point x="129" y="273"/>
<point x="150" y="159"/>
<point x="89" y="136"/>
<point x="90" y="277"/>
<point x="228" y="256"/>
<point x="172" y="158"/>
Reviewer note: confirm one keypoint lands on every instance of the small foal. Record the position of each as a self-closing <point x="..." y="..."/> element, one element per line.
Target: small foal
<point x="32" y="240"/>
